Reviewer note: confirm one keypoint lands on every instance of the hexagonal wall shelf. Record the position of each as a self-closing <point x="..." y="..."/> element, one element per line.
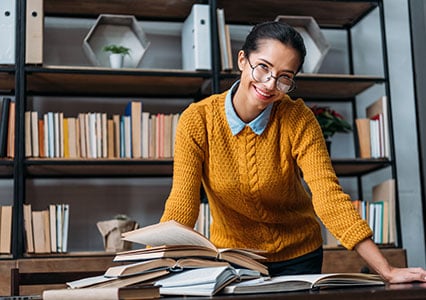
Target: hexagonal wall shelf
<point x="315" y="42"/>
<point x="122" y="30"/>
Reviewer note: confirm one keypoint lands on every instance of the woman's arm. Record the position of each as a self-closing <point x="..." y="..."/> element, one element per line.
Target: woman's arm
<point x="369" y="251"/>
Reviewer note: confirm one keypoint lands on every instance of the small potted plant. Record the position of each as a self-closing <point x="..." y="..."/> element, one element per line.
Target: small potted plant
<point x="117" y="53"/>
<point x="330" y="122"/>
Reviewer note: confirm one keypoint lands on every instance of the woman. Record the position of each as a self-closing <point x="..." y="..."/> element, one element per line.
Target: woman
<point x="248" y="148"/>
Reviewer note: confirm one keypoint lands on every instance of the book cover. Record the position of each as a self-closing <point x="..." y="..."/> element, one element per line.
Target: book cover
<point x="147" y="291"/>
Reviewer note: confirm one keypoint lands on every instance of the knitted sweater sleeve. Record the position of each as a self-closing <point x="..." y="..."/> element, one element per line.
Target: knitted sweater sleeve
<point x="183" y="202"/>
<point x="331" y="204"/>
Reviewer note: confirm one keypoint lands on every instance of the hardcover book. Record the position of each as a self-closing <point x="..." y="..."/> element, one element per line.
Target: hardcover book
<point x="171" y="239"/>
<point x="287" y="283"/>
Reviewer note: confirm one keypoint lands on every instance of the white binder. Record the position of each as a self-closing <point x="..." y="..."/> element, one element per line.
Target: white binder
<point x="196" y="39"/>
<point x="7" y="31"/>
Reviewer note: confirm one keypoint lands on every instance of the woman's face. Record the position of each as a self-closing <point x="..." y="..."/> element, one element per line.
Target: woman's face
<point x="273" y="55"/>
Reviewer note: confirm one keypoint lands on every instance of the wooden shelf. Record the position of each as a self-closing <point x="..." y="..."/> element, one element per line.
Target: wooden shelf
<point x="333" y="14"/>
<point x="6" y="168"/>
<point x="358" y="166"/>
<point x="60" y="167"/>
<point x="7" y="80"/>
<point x="57" y="168"/>
<point x="89" y="81"/>
<point x="147" y="9"/>
<point x="322" y="86"/>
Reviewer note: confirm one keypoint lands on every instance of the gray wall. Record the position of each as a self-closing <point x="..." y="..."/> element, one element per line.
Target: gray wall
<point x="405" y="129"/>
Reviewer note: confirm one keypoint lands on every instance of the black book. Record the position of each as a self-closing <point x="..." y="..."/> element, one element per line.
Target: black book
<point x="4" y="119"/>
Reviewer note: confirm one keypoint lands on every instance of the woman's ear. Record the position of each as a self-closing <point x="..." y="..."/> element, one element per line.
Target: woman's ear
<point x="241" y="60"/>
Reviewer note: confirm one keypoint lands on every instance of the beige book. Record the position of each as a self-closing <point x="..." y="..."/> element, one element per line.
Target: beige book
<point x="5" y="229"/>
<point x="52" y="226"/>
<point x="34" y="134"/>
<point x="41" y="230"/>
<point x="72" y="137"/>
<point x="363" y="132"/>
<point x="110" y="138"/>
<point x="385" y="191"/>
<point x="28" y="227"/>
<point x="117" y="135"/>
<point x="28" y="134"/>
<point x="11" y="131"/>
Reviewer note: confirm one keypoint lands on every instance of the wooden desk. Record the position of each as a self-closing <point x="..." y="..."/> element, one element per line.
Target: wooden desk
<point x="415" y="291"/>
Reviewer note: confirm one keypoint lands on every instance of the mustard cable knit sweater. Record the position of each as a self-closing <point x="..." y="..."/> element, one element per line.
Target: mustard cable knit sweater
<point x="253" y="183"/>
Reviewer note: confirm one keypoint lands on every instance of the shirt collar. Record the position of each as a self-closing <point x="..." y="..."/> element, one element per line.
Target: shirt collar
<point x="258" y="125"/>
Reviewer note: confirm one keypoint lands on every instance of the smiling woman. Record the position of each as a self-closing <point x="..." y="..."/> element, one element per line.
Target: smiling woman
<point x="247" y="146"/>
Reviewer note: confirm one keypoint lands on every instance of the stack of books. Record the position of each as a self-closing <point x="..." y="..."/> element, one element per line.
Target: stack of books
<point x="178" y="260"/>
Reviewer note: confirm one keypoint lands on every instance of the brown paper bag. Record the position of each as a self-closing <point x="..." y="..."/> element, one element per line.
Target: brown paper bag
<point x="111" y="231"/>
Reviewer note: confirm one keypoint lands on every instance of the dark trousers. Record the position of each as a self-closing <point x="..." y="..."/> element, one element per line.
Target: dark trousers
<point x="310" y="263"/>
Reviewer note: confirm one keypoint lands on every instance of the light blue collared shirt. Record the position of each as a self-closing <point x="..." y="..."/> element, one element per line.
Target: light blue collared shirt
<point x="258" y="125"/>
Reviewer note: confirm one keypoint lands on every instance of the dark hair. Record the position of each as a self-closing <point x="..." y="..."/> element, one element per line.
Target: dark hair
<point x="279" y="31"/>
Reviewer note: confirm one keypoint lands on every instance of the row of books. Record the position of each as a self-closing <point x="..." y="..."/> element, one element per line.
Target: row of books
<point x="5" y="229"/>
<point x="373" y="130"/>
<point x="135" y="134"/>
<point x="379" y="212"/>
<point x="46" y="231"/>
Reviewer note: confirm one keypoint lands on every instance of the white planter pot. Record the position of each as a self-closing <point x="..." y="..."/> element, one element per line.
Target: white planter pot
<point x="116" y="60"/>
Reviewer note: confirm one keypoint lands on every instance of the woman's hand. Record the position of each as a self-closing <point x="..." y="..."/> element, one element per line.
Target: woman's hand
<point x="403" y="275"/>
<point x="369" y="251"/>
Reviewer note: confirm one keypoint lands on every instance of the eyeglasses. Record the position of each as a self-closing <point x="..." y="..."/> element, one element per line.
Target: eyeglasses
<point x="261" y="73"/>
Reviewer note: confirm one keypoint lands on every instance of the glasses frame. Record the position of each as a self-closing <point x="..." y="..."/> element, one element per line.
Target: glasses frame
<point x="293" y="82"/>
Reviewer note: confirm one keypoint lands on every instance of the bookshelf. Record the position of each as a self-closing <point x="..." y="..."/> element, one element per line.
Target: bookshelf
<point x="69" y="81"/>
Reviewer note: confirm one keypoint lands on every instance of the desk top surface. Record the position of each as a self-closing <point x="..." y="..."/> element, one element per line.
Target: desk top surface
<point x="415" y="291"/>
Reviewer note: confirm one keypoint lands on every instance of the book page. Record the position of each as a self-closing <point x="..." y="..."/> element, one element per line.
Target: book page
<point x="167" y="233"/>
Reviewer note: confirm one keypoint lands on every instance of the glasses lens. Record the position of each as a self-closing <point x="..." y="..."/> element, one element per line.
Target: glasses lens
<point x="285" y="84"/>
<point x="261" y="74"/>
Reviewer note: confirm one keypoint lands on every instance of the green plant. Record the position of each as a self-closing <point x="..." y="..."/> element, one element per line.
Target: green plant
<point x="330" y="121"/>
<point x="117" y="49"/>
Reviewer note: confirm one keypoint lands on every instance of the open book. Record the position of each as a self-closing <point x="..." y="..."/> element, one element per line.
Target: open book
<point x="197" y="282"/>
<point x="116" y="282"/>
<point x="172" y="239"/>
<point x="287" y="283"/>
<point x="162" y="263"/>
